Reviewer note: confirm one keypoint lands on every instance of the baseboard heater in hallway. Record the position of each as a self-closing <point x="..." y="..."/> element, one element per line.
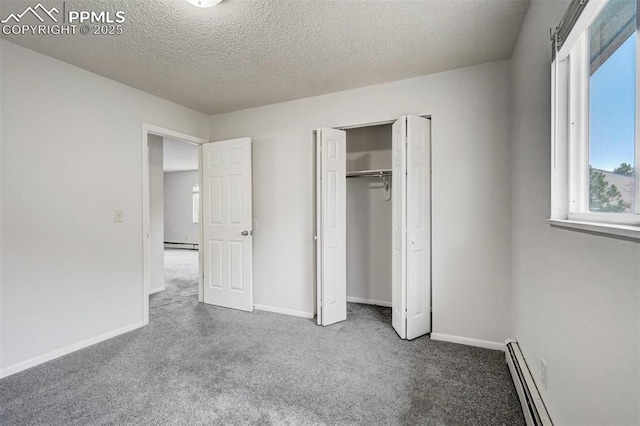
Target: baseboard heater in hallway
<point x="170" y="244"/>
<point x="535" y="413"/>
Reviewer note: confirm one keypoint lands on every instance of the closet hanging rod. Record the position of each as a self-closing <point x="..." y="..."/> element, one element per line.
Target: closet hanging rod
<point x="370" y="173"/>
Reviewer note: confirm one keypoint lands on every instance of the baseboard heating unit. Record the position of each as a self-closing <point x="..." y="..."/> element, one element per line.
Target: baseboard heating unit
<point x="190" y="246"/>
<point x="535" y="413"/>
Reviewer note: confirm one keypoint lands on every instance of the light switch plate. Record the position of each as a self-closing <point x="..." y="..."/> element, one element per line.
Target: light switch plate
<point x="118" y="216"/>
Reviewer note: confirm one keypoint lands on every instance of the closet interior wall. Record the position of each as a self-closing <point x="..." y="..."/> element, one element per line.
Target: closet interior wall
<point x="369" y="223"/>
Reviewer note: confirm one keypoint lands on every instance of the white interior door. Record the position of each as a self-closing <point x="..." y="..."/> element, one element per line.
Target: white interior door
<point x="227" y="237"/>
<point x="331" y="232"/>
<point x="418" y="237"/>
<point x="399" y="218"/>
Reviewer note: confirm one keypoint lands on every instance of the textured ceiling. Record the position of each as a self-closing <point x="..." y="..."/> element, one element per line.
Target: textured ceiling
<point x="247" y="53"/>
<point x="179" y="156"/>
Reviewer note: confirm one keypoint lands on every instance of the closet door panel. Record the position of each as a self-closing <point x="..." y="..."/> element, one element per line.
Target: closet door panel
<point x="331" y="235"/>
<point x="418" y="226"/>
<point x="399" y="218"/>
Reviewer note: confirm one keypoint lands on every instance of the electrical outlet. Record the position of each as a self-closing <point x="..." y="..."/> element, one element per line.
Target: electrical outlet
<point x="543" y="372"/>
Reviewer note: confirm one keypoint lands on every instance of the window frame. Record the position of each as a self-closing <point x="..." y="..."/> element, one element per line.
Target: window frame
<point x="570" y="77"/>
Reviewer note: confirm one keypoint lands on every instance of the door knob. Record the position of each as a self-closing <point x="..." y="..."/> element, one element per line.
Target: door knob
<point x="246" y="233"/>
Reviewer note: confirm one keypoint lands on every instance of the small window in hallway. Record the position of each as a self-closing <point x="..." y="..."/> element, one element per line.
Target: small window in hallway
<point x="196" y="203"/>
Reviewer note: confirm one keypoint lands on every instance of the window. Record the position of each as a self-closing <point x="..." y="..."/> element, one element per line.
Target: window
<point x="196" y="203"/>
<point x="596" y="152"/>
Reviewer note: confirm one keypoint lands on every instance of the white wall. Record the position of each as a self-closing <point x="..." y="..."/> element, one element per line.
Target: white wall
<point x="471" y="190"/>
<point x="1" y="139"/>
<point x="369" y="148"/>
<point x="178" y="214"/>
<point x="71" y="154"/>
<point x="156" y="212"/>
<point x="576" y="295"/>
<point x="369" y="230"/>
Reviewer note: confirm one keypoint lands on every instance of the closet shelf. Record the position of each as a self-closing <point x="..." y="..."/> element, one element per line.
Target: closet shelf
<point x="370" y="173"/>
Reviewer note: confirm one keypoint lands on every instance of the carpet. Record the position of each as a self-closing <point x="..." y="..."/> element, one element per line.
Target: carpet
<point x="201" y="364"/>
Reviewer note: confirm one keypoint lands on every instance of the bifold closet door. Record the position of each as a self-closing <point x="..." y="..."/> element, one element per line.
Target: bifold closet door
<point x="331" y="226"/>
<point x="411" y="270"/>
<point x="227" y="237"/>
<point x="418" y="238"/>
<point x="399" y="219"/>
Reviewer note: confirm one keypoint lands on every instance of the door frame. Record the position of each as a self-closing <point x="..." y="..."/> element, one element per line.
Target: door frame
<point x="315" y="201"/>
<point x="314" y="133"/>
<point x="151" y="129"/>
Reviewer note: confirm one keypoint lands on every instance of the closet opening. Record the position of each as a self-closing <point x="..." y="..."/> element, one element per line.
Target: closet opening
<point x="373" y="223"/>
<point x="369" y="221"/>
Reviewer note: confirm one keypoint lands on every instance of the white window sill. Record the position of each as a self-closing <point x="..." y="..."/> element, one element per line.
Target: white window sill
<point x="625" y="231"/>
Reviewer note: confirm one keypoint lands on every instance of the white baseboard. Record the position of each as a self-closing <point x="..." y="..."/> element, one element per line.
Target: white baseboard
<point x="23" y="365"/>
<point x="487" y="344"/>
<point x="155" y="290"/>
<point x="284" y="311"/>
<point x="368" y="301"/>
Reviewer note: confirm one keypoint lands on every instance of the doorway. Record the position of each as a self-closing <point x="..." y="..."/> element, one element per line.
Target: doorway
<point x="221" y="203"/>
<point x="175" y="222"/>
<point x="171" y="213"/>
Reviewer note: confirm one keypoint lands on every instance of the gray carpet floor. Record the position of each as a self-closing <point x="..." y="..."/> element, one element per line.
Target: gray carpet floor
<point x="200" y="364"/>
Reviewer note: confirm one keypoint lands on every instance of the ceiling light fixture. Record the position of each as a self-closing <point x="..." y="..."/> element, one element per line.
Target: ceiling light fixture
<point x="204" y="3"/>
